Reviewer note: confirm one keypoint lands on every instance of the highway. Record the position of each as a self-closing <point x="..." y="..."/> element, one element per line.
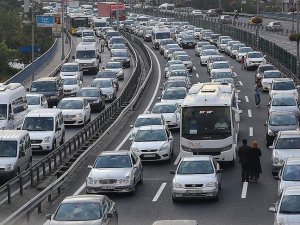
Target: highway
<point x="239" y="204"/>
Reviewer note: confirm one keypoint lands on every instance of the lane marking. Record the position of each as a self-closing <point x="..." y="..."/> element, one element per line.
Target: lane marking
<point x="246" y="98"/>
<point x="80" y="189"/>
<point x="177" y="159"/>
<point x="241" y="83"/>
<point x="197" y="75"/>
<point x="244" y="190"/>
<point x="194" y="68"/>
<point x="249" y="113"/>
<point x="251" y="131"/>
<point x="160" y="190"/>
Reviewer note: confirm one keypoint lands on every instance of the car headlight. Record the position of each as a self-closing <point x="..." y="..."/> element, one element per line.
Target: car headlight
<point x="8" y="167"/>
<point x="89" y="180"/>
<point x="112" y="59"/>
<point x="270" y="133"/>
<point x="79" y="115"/>
<point x="124" y="180"/>
<point x="177" y="185"/>
<point x="228" y="147"/>
<point x="135" y="149"/>
<point x="264" y="60"/>
<point x="47" y="139"/>
<point x="211" y="184"/>
<point x="280" y="221"/>
<point x="164" y="147"/>
<point x="120" y="72"/>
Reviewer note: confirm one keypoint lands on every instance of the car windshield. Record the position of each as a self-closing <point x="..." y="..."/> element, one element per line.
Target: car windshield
<point x="172" y="62"/>
<point x="288" y="143"/>
<point x="88" y="93"/>
<point x="183" y="57"/>
<point x="119" y="54"/>
<point x="164" y="109"/>
<point x="225" y="41"/>
<point x="245" y="50"/>
<point x="113" y="65"/>
<point x="118" y="46"/>
<point x="117" y="40"/>
<point x="33" y="100"/>
<point x="178" y="73"/>
<point x="187" y="38"/>
<point x="78" y="211"/>
<point x="70" y="81"/>
<point x="113" y="161"/>
<point x="166" y="42"/>
<point x="265" y="68"/>
<point x="214" y="36"/>
<point x="38" y="124"/>
<point x="290" y="204"/>
<point x="284" y="101"/>
<point x="150" y="135"/>
<point x="208" y="47"/>
<point x="210" y="52"/>
<point x="162" y="35"/>
<point x="217" y="59"/>
<point x="284" y="86"/>
<point x="177" y="67"/>
<point x="101" y="83"/>
<point x="197" y="29"/>
<point x="86" y="54"/>
<point x="200" y="44"/>
<point x="255" y="55"/>
<point x="291" y="173"/>
<point x="235" y="46"/>
<point x="220" y="65"/>
<point x="88" y="40"/>
<point x="221" y="75"/>
<point x="106" y="74"/>
<point x="69" y="68"/>
<point x="175" y="83"/>
<point x="8" y="148"/>
<point x="43" y="86"/>
<point x="195" y="167"/>
<point x="70" y="104"/>
<point x="172" y="94"/>
<point x="3" y="111"/>
<point x="272" y="74"/>
<point x="147" y="121"/>
<point x="282" y="120"/>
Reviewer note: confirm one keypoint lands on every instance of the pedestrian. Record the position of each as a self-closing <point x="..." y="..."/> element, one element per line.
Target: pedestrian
<point x="102" y="43"/>
<point x="257" y="91"/>
<point x="243" y="154"/>
<point x="242" y="62"/>
<point x="254" y="162"/>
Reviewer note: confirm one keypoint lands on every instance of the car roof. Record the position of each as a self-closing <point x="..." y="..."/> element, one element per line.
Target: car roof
<point x="284" y="79"/>
<point x="83" y="198"/>
<point x="71" y="63"/>
<point x="165" y="103"/>
<point x="34" y="94"/>
<point x="270" y="71"/>
<point x="73" y="98"/>
<point x="293" y="161"/>
<point x="119" y="152"/>
<point x="152" y="127"/>
<point x="175" y="222"/>
<point x="149" y="116"/>
<point x="88" y="88"/>
<point x="281" y="113"/>
<point x="288" y="133"/>
<point x="295" y="190"/>
<point x="97" y="79"/>
<point x="196" y="158"/>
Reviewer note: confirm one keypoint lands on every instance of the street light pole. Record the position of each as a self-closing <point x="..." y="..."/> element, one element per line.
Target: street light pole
<point x="62" y="30"/>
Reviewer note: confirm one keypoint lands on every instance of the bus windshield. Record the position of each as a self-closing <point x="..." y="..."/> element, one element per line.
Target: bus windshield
<point x="206" y="122"/>
<point x="164" y="35"/>
<point x="3" y="111"/>
<point x="79" y="22"/>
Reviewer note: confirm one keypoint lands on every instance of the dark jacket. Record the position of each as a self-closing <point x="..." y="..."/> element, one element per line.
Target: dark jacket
<point x="254" y="160"/>
<point x="243" y="154"/>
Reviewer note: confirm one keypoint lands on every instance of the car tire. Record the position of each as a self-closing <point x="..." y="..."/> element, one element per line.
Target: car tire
<point x="174" y="199"/>
<point x="54" y="145"/>
<point x="216" y="198"/>
<point x="141" y="178"/>
<point x="133" y="188"/>
<point x="84" y="121"/>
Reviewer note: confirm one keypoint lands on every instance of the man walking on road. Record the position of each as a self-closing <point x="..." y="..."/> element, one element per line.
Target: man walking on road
<point x="102" y="43"/>
<point x="243" y="153"/>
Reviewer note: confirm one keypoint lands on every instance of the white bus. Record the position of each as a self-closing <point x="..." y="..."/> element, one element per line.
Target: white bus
<point x="159" y="33"/>
<point x="210" y="121"/>
<point x="167" y="7"/>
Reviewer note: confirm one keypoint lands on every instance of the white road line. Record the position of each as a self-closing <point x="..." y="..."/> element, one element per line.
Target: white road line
<point x="197" y="75"/>
<point x="251" y="131"/>
<point x="249" y="113"/>
<point x="241" y="83"/>
<point x="194" y="68"/>
<point x="160" y="190"/>
<point x="246" y="98"/>
<point x="177" y="159"/>
<point x="244" y="190"/>
<point x="147" y="108"/>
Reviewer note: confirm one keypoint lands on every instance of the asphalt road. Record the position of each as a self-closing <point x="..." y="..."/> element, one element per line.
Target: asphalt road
<point x="152" y="200"/>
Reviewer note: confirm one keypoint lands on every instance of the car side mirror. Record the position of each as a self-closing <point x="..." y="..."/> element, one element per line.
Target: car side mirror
<point x="158" y="98"/>
<point x="271" y="146"/>
<point x="272" y="209"/>
<point x="90" y="166"/>
<point x="58" y="128"/>
<point x="131" y="126"/>
<point x="27" y="89"/>
<point x="172" y="171"/>
<point x="48" y="216"/>
<point x="73" y="57"/>
<point x="109" y="215"/>
<point x="130" y="139"/>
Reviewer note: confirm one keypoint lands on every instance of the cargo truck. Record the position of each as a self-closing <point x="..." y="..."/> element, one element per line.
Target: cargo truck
<point x="109" y="9"/>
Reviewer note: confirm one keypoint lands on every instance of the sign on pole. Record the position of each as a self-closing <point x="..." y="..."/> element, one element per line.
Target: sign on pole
<point x="44" y="21"/>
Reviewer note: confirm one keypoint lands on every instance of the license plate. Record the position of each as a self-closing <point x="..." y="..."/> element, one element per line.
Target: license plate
<point x="149" y="155"/>
<point x="193" y="191"/>
<point x="190" y="44"/>
<point x="108" y="187"/>
<point x="35" y="146"/>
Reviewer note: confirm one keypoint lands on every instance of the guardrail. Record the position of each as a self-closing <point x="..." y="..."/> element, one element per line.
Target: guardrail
<point x="107" y="117"/>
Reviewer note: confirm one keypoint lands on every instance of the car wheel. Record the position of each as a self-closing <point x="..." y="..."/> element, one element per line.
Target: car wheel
<point x="84" y="121"/>
<point x="232" y="162"/>
<point x="141" y="177"/>
<point x="54" y="145"/>
<point x="216" y="198"/>
<point x="174" y="199"/>
<point x="133" y="188"/>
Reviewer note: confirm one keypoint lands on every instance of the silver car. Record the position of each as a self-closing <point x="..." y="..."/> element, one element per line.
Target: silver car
<point x="187" y="61"/>
<point x="115" y="171"/>
<point x="120" y="55"/>
<point x="107" y="87"/>
<point x="281" y="103"/>
<point x="196" y="177"/>
<point x="94" y="96"/>
<point x="170" y="112"/>
<point x="172" y="62"/>
<point x="117" y="67"/>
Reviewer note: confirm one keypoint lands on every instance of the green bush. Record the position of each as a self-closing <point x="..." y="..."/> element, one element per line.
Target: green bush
<point x="294" y="37"/>
<point x="256" y="20"/>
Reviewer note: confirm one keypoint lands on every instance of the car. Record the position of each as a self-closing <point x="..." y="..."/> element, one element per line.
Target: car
<point x="220" y="66"/>
<point x="181" y="52"/>
<point x="177" y="82"/>
<point x="262" y="68"/>
<point x="117" y="67"/>
<point x="172" y="62"/>
<point x="205" y="54"/>
<point x="153" y="143"/>
<point x="211" y="13"/>
<point x="174" y="95"/>
<point x="242" y="51"/>
<point x="171" y="51"/>
<point x="119" y="55"/>
<point x="109" y="74"/>
<point x="198" y="47"/>
<point x="196" y="177"/>
<point x="279" y="121"/>
<point x="281" y="103"/>
<point x="71" y="85"/>
<point x="284" y="86"/>
<point x="168" y="47"/>
<point x="75" y="110"/>
<point x="206" y="35"/>
<point x="173" y="67"/>
<point x="223" y="44"/>
<point x="215" y="58"/>
<point x="71" y="69"/>
<point x="115" y="40"/>
<point x="107" y="86"/>
<point x="268" y="77"/>
<point x="253" y="60"/>
<point x="220" y="76"/>
<point x="118" y="46"/>
<point x="94" y="96"/>
<point x="187" y="61"/>
<point x="197" y="32"/>
<point x="274" y="26"/>
<point x="146" y="120"/>
<point x="234" y="50"/>
<point x="35" y="101"/>
<point x="205" y="47"/>
<point x="229" y="46"/>
<point x="225" y="19"/>
<point x="289" y="175"/>
<point x="79" y="31"/>
<point x="178" y="73"/>
<point x="286" y="209"/>
<point x="147" y="36"/>
<point x="213" y="39"/>
<point x="89" y="39"/>
<point x="197" y="13"/>
<point x="85" y="209"/>
<point x="170" y="112"/>
<point x="163" y="43"/>
<point x="115" y="171"/>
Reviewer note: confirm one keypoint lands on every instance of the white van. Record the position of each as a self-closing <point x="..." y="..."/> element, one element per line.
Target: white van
<point x="88" y="56"/>
<point x="15" y="151"/>
<point x="46" y="128"/>
<point x="13" y="106"/>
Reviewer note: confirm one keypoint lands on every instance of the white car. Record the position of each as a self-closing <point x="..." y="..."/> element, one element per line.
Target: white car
<point x="287" y="207"/>
<point x="198" y="47"/>
<point x="71" y="85"/>
<point x="229" y="46"/>
<point x="220" y="67"/>
<point x="107" y="86"/>
<point x="196" y="177"/>
<point x="187" y="61"/>
<point x="153" y="143"/>
<point x="115" y="171"/>
<point x="289" y="175"/>
<point x="281" y="103"/>
<point x="71" y="69"/>
<point x="170" y="113"/>
<point x="268" y="77"/>
<point x="254" y="59"/>
<point x="174" y="95"/>
<point x="197" y="32"/>
<point x="223" y="44"/>
<point x="283" y="86"/>
<point x="117" y="68"/>
<point x="75" y="110"/>
<point x="36" y="101"/>
<point x="172" y="62"/>
<point x="234" y="50"/>
<point x="205" y="54"/>
<point x="241" y="52"/>
<point x="197" y="13"/>
<point x="146" y="120"/>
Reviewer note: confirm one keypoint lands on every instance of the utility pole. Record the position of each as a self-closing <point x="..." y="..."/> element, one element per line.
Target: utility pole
<point x="32" y="37"/>
<point x="62" y="30"/>
<point x="117" y="15"/>
<point x="257" y="7"/>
